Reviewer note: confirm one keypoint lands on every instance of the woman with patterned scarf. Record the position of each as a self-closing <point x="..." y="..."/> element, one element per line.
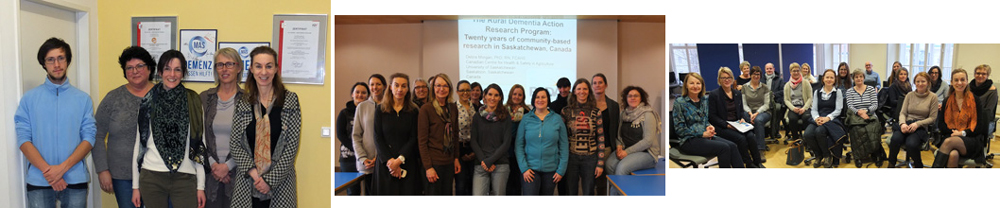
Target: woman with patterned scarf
<point x="169" y="148"/>
<point x="517" y="107"/>
<point x="638" y="144"/>
<point x="437" y="138"/>
<point x="265" y="140"/>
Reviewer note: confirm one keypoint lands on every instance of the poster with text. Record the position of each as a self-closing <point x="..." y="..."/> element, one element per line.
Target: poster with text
<point x="198" y="47"/>
<point x="155" y="37"/>
<point x="243" y="48"/>
<point x="300" y="49"/>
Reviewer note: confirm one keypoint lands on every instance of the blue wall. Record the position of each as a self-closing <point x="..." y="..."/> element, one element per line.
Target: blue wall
<point x="713" y="56"/>
<point x="801" y="53"/>
<point x="760" y="54"/>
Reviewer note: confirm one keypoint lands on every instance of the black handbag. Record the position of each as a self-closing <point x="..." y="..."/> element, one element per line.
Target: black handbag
<point x="796" y="153"/>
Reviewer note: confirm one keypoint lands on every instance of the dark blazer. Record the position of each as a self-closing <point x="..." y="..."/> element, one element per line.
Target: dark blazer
<point x="614" y="114"/>
<point x="717" y="107"/>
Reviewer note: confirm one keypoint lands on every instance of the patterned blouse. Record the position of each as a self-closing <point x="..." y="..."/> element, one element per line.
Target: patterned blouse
<point x="690" y="118"/>
<point x="465" y="115"/>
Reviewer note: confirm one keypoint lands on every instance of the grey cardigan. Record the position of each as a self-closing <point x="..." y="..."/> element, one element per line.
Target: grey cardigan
<point x="209" y="100"/>
<point x="117" y="117"/>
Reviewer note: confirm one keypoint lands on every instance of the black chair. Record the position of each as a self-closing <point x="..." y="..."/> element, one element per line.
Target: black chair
<point x="682" y="159"/>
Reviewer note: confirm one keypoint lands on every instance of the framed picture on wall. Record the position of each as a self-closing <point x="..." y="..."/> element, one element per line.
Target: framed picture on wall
<point x="243" y="48"/>
<point x="198" y="47"/>
<point x="301" y="41"/>
<point x="155" y="34"/>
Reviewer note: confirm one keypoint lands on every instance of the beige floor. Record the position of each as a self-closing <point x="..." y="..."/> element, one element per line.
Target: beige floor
<point x="776" y="156"/>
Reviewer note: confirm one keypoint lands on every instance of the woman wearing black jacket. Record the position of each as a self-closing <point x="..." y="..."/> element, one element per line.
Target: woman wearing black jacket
<point x="345" y="124"/>
<point x="726" y="104"/>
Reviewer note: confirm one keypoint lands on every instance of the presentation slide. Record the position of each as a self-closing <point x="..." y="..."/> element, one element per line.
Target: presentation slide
<point x="531" y="52"/>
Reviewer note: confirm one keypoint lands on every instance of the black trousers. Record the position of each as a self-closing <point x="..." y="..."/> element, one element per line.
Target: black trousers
<point x="446" y="174"/>
<point x="913" y="142"/>
<point x="744" y="142"/>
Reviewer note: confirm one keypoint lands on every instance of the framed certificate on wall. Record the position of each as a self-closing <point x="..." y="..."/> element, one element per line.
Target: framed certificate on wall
<point x="301" y="46"/>
<point x="155" y="34"/>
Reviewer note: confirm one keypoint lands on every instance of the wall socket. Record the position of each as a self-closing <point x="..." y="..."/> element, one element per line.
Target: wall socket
<point x="325" y="132"/>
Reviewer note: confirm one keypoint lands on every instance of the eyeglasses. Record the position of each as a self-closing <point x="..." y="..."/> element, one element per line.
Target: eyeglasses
<point x="136" y="67"/>
<point x="725" y="78"/>
<point x="441" y="86"/>
<point x="52" y="60"/>
<point x="225" y="64"/>
<point x="980" y="73"/>
<point x="634" y="96"/>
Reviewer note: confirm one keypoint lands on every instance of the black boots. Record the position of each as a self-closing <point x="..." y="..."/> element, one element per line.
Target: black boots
<point x="940" y="159"/>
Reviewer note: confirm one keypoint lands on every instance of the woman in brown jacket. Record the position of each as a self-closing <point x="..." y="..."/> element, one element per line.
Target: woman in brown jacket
<point x="437" y="135"/>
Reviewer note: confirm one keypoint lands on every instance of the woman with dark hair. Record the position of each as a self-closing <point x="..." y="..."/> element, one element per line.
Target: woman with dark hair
<point x="638" y="145"/>
<point x="938" y="85"/>
<point x="476" y="95"/>
<point x="395" y="140"/>
<point x="169" y="149"/>
<point x="726" y="105"/>
<point x="916" y="115"/>
<point x="844" y="80"/>
<point x="218" y="105"/>
<point x="895" y="72"/>
<point x="491" y="138"/>
<point x="266" y="139"/>
<point x="756" y="103"/>
<point x="345" y="123"/>
<point x="517" y="107"/>
<point x="959" y="119"/>
<point x="610" y="115"/>
<point x="362" y="136"/>
<point x="437" y="134"/>
<point x="466" y="111"/>
<point x="542" y="159"/>
<point x="899" y="88"/>
<point x="585" y="126"/>
<point x="826" y="130"/>
<point x="116" y="120"/>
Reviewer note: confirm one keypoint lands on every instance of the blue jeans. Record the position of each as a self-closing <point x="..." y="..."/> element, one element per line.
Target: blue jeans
<point x="68" y="198"/>
<point x="758" y="128"/>
<point x="483" y="182"/>
<point x="632" y="162"/>
<point x="123" y="192"/>
<point x="541" y="184"/>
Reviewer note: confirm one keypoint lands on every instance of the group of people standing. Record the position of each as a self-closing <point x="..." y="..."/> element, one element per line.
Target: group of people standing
<point x="477" y="144"/>
<point x="820" y="112"/>
<point x="154" y="142"/>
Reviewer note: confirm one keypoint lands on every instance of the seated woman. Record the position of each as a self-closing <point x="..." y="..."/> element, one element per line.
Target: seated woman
<point x="798" y="100"/>
<point x="861" y="104"/>
<point x="726" y="105"/>
<point x="959" y="118"/>
<point x="756" y="102"/>
<point x="938" y="86"/>
<point x="899" y="88"/>
<point x="637" y="144"/>
<point x="917" y="113"/>
<point x="825" y="131"/>
<point x="690" y="118"/>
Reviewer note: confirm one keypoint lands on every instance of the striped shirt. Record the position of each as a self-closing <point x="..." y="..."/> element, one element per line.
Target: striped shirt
<point x="867" y="100"/>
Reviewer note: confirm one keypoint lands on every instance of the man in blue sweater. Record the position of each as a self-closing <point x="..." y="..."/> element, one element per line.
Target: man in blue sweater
<point x="55" y="131"/>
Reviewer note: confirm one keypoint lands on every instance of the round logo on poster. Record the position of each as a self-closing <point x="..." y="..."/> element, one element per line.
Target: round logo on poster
<point x="197" y="46"/>
<point x="244" y="52"/>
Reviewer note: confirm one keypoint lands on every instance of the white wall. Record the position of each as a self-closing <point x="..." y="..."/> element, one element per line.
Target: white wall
<point x="642" y="56"/>
<point x="12" y="175"/>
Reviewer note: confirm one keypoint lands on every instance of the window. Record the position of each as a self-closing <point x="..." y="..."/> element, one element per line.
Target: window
<point x="919" y="57"/>
<point x="830" y="55"/>
<point x="684" y="58"/>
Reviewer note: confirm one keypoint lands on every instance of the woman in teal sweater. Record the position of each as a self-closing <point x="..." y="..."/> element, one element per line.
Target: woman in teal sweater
<point x="542" y="147"/>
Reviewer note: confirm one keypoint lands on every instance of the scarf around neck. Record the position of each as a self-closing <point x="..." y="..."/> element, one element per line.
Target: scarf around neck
<point x="979" y="89"/>
<point x="165" y="115"/>
<point x="489" y="116"/>
<point x="448" y="125"/>
<point x="795" y="82"/>
<point x="635" y="116"/>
